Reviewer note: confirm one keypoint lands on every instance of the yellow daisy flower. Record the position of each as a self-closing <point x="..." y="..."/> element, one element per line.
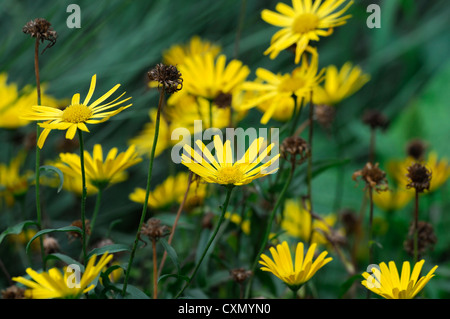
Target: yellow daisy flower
<point x="100" y="171"/>
<point x="77" y="114"/>
<point x="177" y="53"/>
<point x="393" y="199"/>
<point x="302" y="23"/>
<point x="170" y="191"/>
<point x="389" y="284"/>
<point x="273" y="90"/>
<point x="14" y="102"/>
<point x="207" y="76"/>
<point x="13" y="182"/>
<point x="293" y="273"/>
<point x="297" y="223"/>
<point x="339" y="84"/>
<point x="222" y="169"/>
<point x="54" y="284"/>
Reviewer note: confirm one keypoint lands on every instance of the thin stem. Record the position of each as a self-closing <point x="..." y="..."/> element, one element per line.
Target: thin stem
<point x="269" y="226"/>
<point x="416" y="232"/>
<point x="370" y="190"/>
<point x="96" y="211"/>
<point x="180" y="209"/>
<point x="38" y="153"/>
<point x="155" y="270"/>
<point x="310" y="165"/>
<point x="83" y="194"/>
<point x="147" y="191"/>
<point x="296" y="114"/>
<point x="372" y="145"/>
<point x="219" y="223"/>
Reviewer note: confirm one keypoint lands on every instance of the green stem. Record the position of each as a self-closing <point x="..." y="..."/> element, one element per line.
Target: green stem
<point x="269" y="226"/>
<point x="221" y="218"/>
<point x="296" y="114"/>
<point x="38" y="153"/>
<point x="96" y="211"/>
<point x="83" y="195"/>
<point x="310" y="165"/>
<point x="147" y="191"/>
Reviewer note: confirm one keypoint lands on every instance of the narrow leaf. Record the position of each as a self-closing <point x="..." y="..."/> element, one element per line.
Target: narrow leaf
<point x="171" y="253"/>
<point x="50" y="230"/>
<point x="16" y="229"/>
<point x="57" y="171"/>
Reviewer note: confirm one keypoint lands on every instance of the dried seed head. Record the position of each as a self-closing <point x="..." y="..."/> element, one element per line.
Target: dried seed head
<point x="419" y="177"/>
<point x="240" y="275"/>
<point x="41" y="29"/>
<point x="426" y="238"/>
<point x="13" y="292"/>
<point x="223" y="100"/>
<point x="373" y="176"/>
<point x="78" y="223"/>
<point x="154" y="230"/>
<point x="324" y="114"/>
<point x="416" y="149"/>
<point x="294" y="149"/>
<point x="167" y="76"/>
<point x="51" y="245"/>
<point x="375" y="119"/>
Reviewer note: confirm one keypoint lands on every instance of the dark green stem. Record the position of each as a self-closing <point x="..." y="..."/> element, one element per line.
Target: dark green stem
<point x="83" y="195"/>
<point x="38" y="153"/>
<point x="96" y="211"/>
<point x="219" y="223"/>
<point x="147" y="190"/>
<point x="310" y="165"/>
<point x="269" y="226"/>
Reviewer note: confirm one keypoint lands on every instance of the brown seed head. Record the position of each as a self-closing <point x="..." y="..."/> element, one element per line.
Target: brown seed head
<point x="419" y="177"/>
<point x="41" y="29"/>
<point x="324" y="114"/>
<point x="154" y="230"/>
<point x="294" y="149"/>
<point x="13" y="292"/>
<point x="167" y="76"/>
<point x="426" y="238"/>
<point x="416" y="149"/>
<point x="375" y="119"/>
<point x="373" y="176"/>
<point x="240" y="275"/>
<point x="51" y="245"/>
<point x="78" y="223"/>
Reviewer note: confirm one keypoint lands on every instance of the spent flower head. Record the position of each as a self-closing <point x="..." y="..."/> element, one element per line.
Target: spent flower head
<point x="41" y="29"/>
<point x="168" y="77"/>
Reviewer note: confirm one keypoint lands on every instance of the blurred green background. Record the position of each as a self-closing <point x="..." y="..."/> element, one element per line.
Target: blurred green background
<point x="407" y="59"/>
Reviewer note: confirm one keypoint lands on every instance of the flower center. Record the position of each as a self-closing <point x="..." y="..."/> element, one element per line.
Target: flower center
<point x="76" y="113"/>
<point x="305" y="22"/>
<point x="230" y="175"/>
<point x="290" y="84"/>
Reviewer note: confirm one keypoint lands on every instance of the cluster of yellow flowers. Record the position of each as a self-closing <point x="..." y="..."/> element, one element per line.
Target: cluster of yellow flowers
<point x="219" y="93"/>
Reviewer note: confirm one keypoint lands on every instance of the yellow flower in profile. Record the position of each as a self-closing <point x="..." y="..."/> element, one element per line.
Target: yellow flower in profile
<point x="302" y="23"/>
<point x="223" y="169"/>
<point x="293" y="273"/>
<point x="171" y="190"/>
<point x="14" y="102"/>
<point x="208" y="77"/>
<point x="77" y="114"/>
<point x="440" y="170"/>
<point x="100" y="171"/>
<point x="144" y="139"/>
<point x="13" y="182"/>
<point x="297" y="223"/>
<point x="177" y="53"/>
<point x="56" y="285"/>
<point x="393" y="199"/>
<point x="274" y="90"/>
<point x="389" y="284"/>
<point x="339" y="84"/>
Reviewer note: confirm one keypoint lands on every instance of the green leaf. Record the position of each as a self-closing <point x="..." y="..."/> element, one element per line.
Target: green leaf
<point x="171" y="253"/>
<point x="50" y="230"/>
<point x="114" y="248"/>
<point x="57" y="171"/>
<point x="133" y="292"/>
<point x="16" y="229"/>
<point x="64" y="258"/>
<point x="185" y="278"/>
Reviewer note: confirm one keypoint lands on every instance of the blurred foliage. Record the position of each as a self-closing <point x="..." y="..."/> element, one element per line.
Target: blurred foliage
<point x="409" y="64"/>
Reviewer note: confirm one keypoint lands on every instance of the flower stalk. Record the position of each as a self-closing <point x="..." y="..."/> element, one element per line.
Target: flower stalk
<point x="83" y="195"/>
